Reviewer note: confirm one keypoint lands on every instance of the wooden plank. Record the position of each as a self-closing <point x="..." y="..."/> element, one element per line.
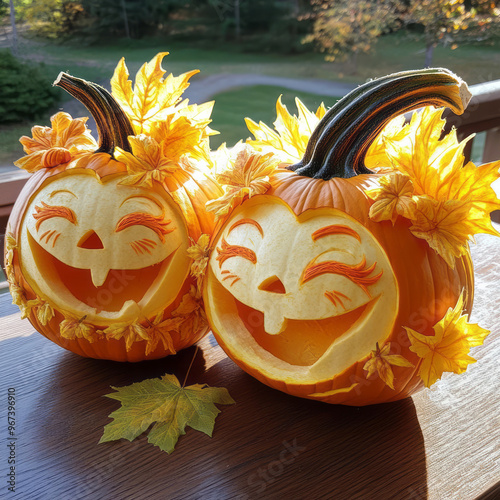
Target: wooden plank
<point x="443" y="443"/>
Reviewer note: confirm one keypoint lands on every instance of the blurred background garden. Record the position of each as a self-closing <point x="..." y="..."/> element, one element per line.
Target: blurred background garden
<point x="248" y="51"/>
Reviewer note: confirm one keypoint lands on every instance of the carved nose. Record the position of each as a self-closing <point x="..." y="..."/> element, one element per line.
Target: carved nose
<point x="91" y="241"/>
<point x="272" y="284"/>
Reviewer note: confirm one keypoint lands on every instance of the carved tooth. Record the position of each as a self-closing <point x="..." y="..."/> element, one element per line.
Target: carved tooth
<point x="99" y="275"/>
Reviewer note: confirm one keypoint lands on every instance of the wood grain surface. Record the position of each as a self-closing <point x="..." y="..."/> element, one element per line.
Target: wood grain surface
<point x="444" y="443"/>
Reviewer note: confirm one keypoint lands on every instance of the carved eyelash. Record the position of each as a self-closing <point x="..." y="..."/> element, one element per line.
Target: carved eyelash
<point x="335" y="229"/>
<point x="154" y="222"/>
<point x="48" y="235"/>
<point x="335" y="297"/>
<point x="144" y="245"/>
<point x="229" y="276"/>
<point x="227" y="251"/>
<point x="358" y="273"/>
<point x="46" y="212"/>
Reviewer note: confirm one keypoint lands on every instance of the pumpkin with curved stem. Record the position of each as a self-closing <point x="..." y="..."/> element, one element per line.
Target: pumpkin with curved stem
<point x="98" y="244"/>
<point x="311" y="294"/>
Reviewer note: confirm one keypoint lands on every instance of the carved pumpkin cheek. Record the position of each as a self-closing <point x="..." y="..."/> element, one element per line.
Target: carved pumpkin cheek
<point x="81" y="230"/>
<point x="320" y="266"/>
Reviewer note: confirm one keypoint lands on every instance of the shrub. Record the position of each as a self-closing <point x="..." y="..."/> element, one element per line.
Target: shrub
<point x="25" y="93"/>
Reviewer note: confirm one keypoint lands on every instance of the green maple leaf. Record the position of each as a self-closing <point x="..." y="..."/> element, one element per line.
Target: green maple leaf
<point x="171" y="407"/>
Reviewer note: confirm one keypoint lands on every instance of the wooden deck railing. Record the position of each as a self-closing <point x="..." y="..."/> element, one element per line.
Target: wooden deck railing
<point x="482" y="115"/>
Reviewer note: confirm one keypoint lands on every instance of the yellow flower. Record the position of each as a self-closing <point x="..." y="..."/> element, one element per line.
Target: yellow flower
<point x="448" y="349"/>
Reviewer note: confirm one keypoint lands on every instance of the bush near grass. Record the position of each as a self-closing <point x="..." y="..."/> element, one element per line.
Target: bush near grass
<point x="25" y="93"/>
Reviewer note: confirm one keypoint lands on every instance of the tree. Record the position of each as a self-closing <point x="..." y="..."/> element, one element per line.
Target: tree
<point x="346" y="28"/>
<point x="449" y="22"/>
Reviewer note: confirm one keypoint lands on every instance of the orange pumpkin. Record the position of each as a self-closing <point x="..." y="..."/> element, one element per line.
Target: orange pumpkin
<point x="98" y="262"/>
<point x="309" y="294"/>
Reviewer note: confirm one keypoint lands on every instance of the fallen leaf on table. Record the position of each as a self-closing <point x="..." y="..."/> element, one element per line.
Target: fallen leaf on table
<point x="166" y="404"/>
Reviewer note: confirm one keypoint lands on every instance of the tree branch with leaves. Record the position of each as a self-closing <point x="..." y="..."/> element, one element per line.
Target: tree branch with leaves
<point x="345" y="28"/>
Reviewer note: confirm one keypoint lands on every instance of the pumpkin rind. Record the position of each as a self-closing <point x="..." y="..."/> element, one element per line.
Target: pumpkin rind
<point x="332" y="179"/>
<point x="146" y="321"/>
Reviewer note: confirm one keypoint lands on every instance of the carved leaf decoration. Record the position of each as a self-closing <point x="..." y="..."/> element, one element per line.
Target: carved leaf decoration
<point x="170" y="146"/>
<point x="200" y="253"/>
<point x="289" y="139"/>
<point x="73" y="328"/>
<point x="159" y="331"/>
<point x="393" y="198"/>
<point x="446" y="226"/>
<point x="131" y="332"/>
<point x="168" y="406"/>
<point x="153" y="96"/>
<point x="381" y="361"/>
<point x="246" y="174"/>
<point x="448" y="349"/>
<point x="67" y="138"/>
<point x="450" y="201"/>
<point x="44" y="312"/>
<point x="10" y="247"/>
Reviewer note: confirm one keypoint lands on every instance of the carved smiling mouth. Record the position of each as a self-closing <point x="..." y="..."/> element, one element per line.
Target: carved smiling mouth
<point x="120" y="285"/>
<point x="302" y="342"/>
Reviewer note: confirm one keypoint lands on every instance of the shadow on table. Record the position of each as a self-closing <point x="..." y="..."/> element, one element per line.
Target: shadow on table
<point x="268" y="445"/>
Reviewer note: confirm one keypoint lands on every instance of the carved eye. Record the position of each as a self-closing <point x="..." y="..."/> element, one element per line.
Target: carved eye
<point x="227" y="251"/>
<point x="154" y="222"/>
<point x="359" y="273"/>
<point x="46" y="212"/>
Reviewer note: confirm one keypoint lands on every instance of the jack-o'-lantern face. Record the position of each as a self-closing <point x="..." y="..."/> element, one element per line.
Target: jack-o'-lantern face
<point x="315" y="291"/>
<point x="103" y="250"/>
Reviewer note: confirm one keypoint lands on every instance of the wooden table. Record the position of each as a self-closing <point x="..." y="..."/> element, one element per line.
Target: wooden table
<point x="444" y="443"/>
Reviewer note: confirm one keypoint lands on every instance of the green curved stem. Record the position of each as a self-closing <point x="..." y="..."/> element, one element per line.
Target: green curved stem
<point x="113" y="126"/>
<point x="338" y="145"/>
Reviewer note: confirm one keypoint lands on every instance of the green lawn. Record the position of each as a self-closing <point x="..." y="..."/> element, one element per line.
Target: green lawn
<point x="392" y="53"/>
<point x="258" y="103"/>
<point x="474" y="63"/>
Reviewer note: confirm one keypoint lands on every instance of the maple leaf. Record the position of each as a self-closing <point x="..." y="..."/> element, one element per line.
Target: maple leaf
<point x="393" y="198"/>
<point x="376" y="156"/>
<point x="44" y="312"/>
<point x="159" y="330"/>
<point x="132" y="332"/>
<point x="170" y="146"/>
<point x="167" y="405"/>
<point x="445" y="225"/>
<point x="450" y="201"/>
<point x="71" y="135"/>
<point x="153" y="96"/>
<point x="19" y="297"/>
<point x="289" y="139"/>
<point x="72" y="328"/>
<point x="246" y="174"/>
<point x="448" y="349"/>
<point x="381" y="362"/>
<point x="200" y="253"/>
<point x="10" y="247"/>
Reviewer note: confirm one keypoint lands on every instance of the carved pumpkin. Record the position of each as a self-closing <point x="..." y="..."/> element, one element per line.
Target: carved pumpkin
<point x="97" y="250"/>
<point x="308" y="293"/>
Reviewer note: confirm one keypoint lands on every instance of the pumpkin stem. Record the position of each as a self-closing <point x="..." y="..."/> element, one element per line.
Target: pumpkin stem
<point x="113" y="126"/>
<point x="338" y="145"/>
